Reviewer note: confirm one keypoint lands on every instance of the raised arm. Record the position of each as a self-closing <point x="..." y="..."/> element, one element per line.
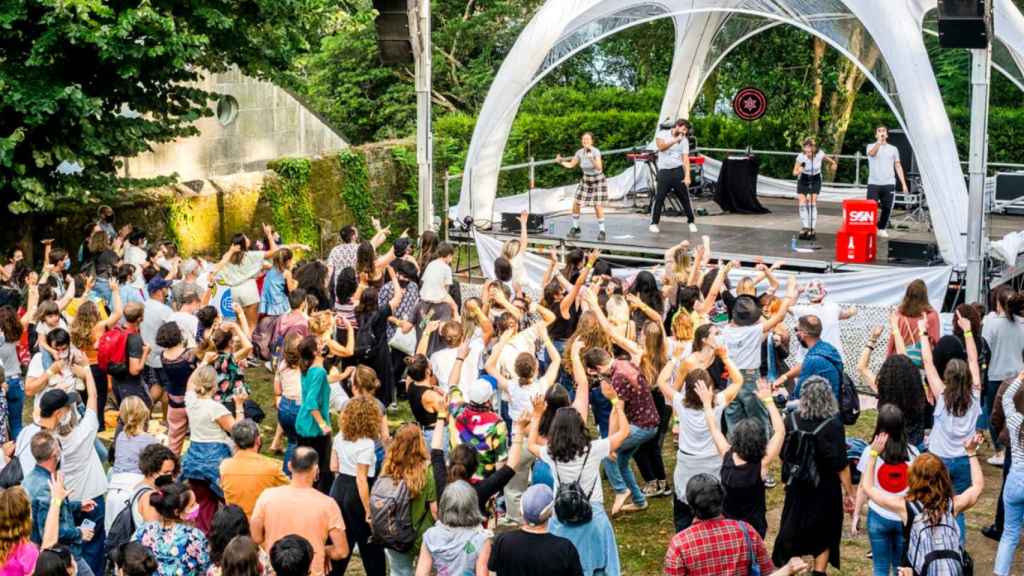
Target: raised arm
<point x="705" y="306"/>
<point x="935" y="383"/>
<point x="115" y="315"/>
<point x="555" y="365"/>
<point x="566" y="304"/>
<point x="579" y="375"/>
<point x="635" y="303"/>
<point x="791" y="295"/>
<point x="492" y="361"/>
<point x="524" y="237"/>
<point x="665" y="384"/>
<point x="891" y="502"/>
<point x="735" y="376"/>
<point x="618" y="426"/>
<point x="972" y="351"/>
<point x="774" y="447"/>
<point x="424" y="343"/>
<point x="866" y="374"/>
<point x="707" y="395"/>
<point x="969" y="497"/>
<point x="898" y="343"/>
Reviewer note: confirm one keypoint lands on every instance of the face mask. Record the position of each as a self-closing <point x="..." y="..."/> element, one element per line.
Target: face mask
<point x="67" y="265"/>
<point x="191" y="515"/>
<point x="108" y="217"/>
<point x="65" y="420"/>
<point x="803" y="344"/>
<point x="163" y="480"/>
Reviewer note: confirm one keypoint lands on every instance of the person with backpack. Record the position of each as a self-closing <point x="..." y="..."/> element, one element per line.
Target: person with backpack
<point x="885" y="530"/>
<point x="575" y="461"/>
<point x="121" y="353"/>
<point x="957" y="394"/>
<point x="403" y="502"/>
<point x="817" y="474"/>
<point x="932" y="539"/>
<point x="822" y="359"/>
<point x="159" y="466"/>
<point x="1013" y="488"/>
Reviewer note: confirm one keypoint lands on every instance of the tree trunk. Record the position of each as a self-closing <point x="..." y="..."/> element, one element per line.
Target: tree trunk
<point x="819" y="88"/>
<point x="842" y="102"/>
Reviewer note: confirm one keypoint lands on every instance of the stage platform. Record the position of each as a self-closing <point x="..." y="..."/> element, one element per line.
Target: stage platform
<point x="741" y="237"/>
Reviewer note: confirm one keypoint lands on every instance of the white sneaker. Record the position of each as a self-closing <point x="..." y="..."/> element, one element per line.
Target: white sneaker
<point x="883" y="234"/>
<point x="654" y="229"/>
<point x="693" y="228"/>
<point x="996" y="460"/>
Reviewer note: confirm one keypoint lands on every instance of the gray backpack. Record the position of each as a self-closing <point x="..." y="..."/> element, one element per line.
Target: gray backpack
<point x="391" y="522"/>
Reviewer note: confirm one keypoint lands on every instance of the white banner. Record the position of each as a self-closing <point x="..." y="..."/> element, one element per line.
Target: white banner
<point x="882" y="288"/>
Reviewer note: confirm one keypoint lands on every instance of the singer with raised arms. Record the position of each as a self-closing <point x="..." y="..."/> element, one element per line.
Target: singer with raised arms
<point x="593" y="187"/>
<point x="673" y="171"/>
<point x="808" y="185"/>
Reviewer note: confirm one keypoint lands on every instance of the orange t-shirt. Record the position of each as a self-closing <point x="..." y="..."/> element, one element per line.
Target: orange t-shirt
<point x="246" y="475"/>
<point x="304" y="511"/>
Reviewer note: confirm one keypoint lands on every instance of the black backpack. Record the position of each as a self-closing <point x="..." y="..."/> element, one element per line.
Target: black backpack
<point x="849" y="399"/>
<point x="800" y="453"/>
<point x="123" y="527"/>
<point x="572" y="504"/>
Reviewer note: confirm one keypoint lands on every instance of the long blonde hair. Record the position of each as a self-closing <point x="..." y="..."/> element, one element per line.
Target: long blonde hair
<point x="655" y="355"/>
<point x="134" y="415"/>
<point x="86" y="317"/>
<point x="407" y="458"/>
<point x="15" y="520"/>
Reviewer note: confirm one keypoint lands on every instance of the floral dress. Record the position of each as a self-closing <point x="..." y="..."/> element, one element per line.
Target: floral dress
<point x="230" y="378"/>
<point x="179" y="550"/>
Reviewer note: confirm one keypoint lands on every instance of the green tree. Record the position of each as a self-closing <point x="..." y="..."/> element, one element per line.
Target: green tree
<point x="86" y="82"/>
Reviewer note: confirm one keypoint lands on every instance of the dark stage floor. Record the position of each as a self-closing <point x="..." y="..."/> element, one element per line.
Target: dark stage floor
<point x="744" y="237"/>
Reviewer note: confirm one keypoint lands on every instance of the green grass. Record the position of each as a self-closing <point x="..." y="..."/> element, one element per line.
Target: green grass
<point x="644" y="536"/>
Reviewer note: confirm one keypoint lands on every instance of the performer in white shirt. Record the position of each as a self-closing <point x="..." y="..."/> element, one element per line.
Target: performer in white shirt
<point x="883" y="166"/>
<point x="593" y="188"/>
<point x="808" y="185"/>
<point x="673" y="171"/>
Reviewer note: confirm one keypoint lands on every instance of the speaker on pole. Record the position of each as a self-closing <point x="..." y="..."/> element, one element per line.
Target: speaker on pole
<point x="393" y="37"/>
<point x="962" y="24"/>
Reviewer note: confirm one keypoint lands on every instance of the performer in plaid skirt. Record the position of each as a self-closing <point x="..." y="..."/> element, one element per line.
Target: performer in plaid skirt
<point x="593" y="188"/>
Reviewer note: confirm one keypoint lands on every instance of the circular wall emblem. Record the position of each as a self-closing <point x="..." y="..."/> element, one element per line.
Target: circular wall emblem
<point x="750" y="104"/>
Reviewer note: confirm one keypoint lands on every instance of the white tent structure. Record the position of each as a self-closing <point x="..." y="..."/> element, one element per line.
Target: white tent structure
<point x="884" y="38"/>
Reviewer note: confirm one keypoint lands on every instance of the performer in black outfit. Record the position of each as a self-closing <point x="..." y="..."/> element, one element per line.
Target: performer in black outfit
<point x="673" y="171"/>
<point x="808" y="186"/>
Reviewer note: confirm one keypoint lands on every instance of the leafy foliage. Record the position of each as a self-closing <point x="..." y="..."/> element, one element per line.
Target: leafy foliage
<point x="355" y="189"/>
<point x="84" y="83"/>
<point x="290" y="203"/>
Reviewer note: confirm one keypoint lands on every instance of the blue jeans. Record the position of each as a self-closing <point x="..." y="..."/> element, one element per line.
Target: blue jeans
<point x="92" y="551"/>
<point x="602" y="408"/>
<point x="886" y="538"/>
<point x="542" y="474"/>
<point x="15" y="404"/>
<point x="620" y="473"/>
<point x="428" y="436"/>
<point x="960" y="473"/>
<point x="101" y="289"/>
<point x="287" y="412"/>
<point x="1013" y="502"/>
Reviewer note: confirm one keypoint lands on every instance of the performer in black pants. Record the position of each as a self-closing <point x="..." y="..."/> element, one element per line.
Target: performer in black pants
<point x="673" y="171"/>
<point x="808" y="186"/>
<point x="883" y="166"/>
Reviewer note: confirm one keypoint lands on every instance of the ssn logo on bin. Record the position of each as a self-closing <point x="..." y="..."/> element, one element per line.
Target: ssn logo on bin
<point x="861" y="217"/>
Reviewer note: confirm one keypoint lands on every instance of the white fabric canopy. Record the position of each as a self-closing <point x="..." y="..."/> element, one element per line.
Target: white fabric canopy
<point x="884" y="38"/>
<point x="878" y="288"/>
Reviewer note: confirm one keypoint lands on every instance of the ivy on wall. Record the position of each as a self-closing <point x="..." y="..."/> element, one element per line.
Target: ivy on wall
<point x="290" y="203"/>
<point x="355" y="189"/>
<point x="408" y="205"/>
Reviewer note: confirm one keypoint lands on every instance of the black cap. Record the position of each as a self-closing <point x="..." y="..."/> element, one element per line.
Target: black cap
<point x="52" y="401"/>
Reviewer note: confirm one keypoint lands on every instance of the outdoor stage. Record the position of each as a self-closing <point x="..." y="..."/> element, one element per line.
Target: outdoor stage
<point x="742" y="237"/>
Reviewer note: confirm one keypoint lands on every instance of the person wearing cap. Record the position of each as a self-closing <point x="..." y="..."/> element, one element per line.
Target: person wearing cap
<point x="830" y="313"/>
<point x="457" y="544"/>
<point x="743" y="337"/>
<point x="53" y="407"/>
<point x="155" y="313"/>
<point x="673" y="171"/>
<point x="532" y="550"/>
<point x="476" y="423"/>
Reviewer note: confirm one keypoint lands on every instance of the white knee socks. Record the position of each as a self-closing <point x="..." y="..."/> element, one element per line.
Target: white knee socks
<point x="813" y="208"/>
<point x="805" y="216"/>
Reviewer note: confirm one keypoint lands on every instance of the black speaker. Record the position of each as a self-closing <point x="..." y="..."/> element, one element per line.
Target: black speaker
<point x="907" y="251"/>
<point x="534" y="223"/>
<point x="393" y="36"/>
<point x="962" y="24"/>
<point x="1010" y="187"/>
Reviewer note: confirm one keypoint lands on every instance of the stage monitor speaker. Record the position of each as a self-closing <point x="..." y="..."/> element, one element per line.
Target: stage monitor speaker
<point x="1010" y="187"/>
<point x="534" y="223"/>
<point x="962" y="24"/>
<point x="393" y="36"/>
<point x="907" y="251"/>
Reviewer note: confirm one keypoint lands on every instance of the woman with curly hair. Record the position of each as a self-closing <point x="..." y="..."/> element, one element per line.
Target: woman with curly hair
<point x="86" y="330"/>
<point x="746" y="454"/>
<point x="407" y="460"/>
<point x="812" y="515"/>
<point x="354" y="460"/>
<point x="927" y="509"/>
<point x="898" y="382"/>
<point x="957" y="407"/>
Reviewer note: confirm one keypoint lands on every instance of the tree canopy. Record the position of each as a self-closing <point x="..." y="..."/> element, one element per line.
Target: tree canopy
<point x="84" y="83"/>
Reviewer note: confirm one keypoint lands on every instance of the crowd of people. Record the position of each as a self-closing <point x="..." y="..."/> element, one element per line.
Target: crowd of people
<point x="519" y="404"/>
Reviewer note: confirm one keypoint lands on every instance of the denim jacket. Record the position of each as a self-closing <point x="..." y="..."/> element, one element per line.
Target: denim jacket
<point x="37" y="484"/>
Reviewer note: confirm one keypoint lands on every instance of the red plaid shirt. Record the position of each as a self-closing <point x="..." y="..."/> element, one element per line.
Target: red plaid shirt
<point x="715" y="547"/>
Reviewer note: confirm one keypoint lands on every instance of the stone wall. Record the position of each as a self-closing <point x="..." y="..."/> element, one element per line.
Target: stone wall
<point x="255" y="123"/>
<point x="202" y="215"/>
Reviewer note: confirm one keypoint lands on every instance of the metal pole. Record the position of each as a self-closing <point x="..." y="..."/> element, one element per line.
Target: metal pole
<point x="447" y="208"/>
<point x="981" y="71"/>
<point x="424" y="138"/>
<point x="856" y="171"/>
